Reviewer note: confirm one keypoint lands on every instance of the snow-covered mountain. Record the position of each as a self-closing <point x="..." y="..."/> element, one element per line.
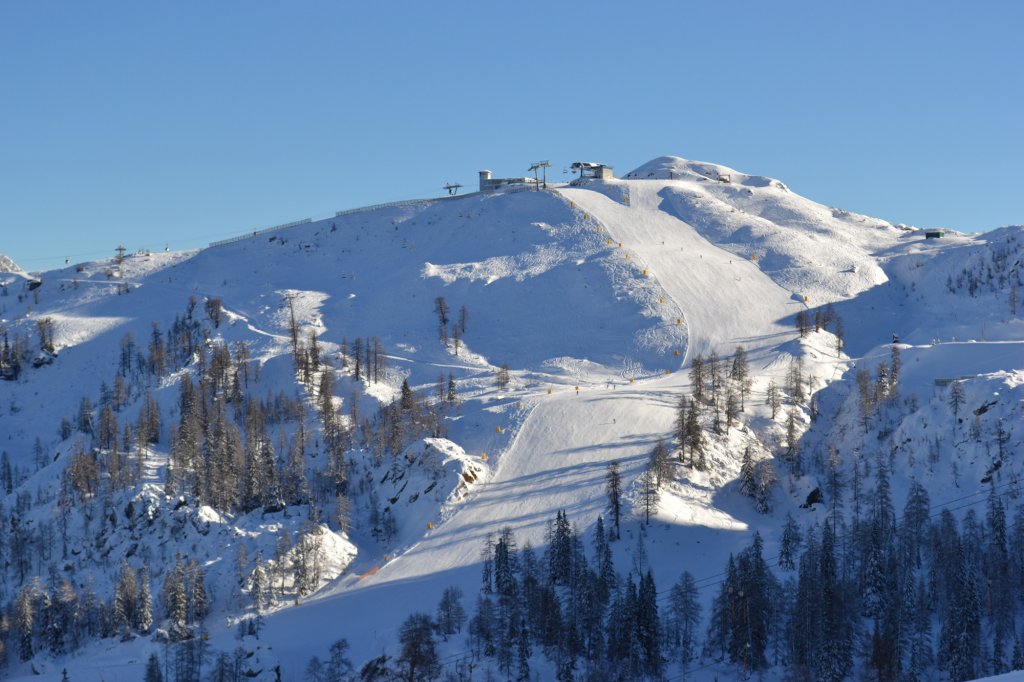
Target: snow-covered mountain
<point x="348" y="409"/>
<point x="8" y="265"/>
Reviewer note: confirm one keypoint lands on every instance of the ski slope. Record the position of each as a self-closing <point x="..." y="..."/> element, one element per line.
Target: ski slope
<point x="725" y="300"/>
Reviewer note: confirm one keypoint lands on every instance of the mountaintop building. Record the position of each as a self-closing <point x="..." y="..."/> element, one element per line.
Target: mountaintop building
<point x="593" y="171"/>
<point x="491" y="184"/>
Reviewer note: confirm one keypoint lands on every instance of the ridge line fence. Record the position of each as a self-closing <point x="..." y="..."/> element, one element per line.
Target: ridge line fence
<point x="360" y="209"/>
<point x="256" y="233"/>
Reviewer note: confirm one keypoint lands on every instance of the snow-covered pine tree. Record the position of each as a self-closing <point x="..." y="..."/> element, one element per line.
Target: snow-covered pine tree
<point x="144" y="611"/>
<point x="126" y="596"/>
<point x="789" y="546"/>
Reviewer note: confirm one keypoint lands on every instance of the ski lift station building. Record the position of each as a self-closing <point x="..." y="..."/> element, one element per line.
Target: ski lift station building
<point x="595" y="171"/>
<point x="491" y="184"/>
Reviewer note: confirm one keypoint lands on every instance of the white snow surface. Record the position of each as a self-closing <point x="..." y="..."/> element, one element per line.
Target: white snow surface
<point x="597" y="297"/>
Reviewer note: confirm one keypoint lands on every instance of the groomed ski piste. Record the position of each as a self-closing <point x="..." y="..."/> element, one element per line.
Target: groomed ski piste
<point x="597" y="297"/>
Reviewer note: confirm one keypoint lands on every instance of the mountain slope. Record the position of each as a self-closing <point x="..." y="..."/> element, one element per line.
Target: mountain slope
<point x="598" y="338"/>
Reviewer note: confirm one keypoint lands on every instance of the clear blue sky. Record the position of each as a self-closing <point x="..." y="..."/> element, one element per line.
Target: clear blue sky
<point x="153" y="123"/>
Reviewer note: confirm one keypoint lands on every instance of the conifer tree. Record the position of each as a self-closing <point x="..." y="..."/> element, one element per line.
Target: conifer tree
<point x="126" y="594"/>
<point x="407" y="400"/>
<point x="739" y="371"/>
<point x="418" y="660"/>
<point x="996" y="568"/>
<point x="144" y="612"/>
<point x="153" y="673"/>
<point x="695" y="436"/>
<point x="441" y="308"/>
<point x="450" y="614"/>
<point x="834" y="654"/>
<point x="648" y="627"/>
<point x="683" y="619"/>
<point x="85" y="415"/>
<point x="452" y="395"/>
<point x="802" y="323"/>
<point x="659" y="463"/>
<point x="722" y="611"/>
<point x="603" y="566"/>
<point x="315" y="670"/>
<point x="698" y="377"/>
<point x="960" y="638"/>
<point x="259" y="586"/>
<point x="613" y="489"/>
<point x="795" y="380"/>
<point x="895" y="367"/>
<point x="747" y="478"/>
<point x="649" y="493"/>
<point x="338" y="667"/>
<point x="765" y="479"/>
<point x="715" y="375"/>
<point x="790" y="544"/>
<point x="773" y="399"/>
<point x="559" y="537"/>
<point x="24" y="621"/>
<point x="522" y="651"/>
<point x="957" y="397"/>
<point x="680" y="427"/>
<point x="732" y="407"/>
<point x="502" y="377"/>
